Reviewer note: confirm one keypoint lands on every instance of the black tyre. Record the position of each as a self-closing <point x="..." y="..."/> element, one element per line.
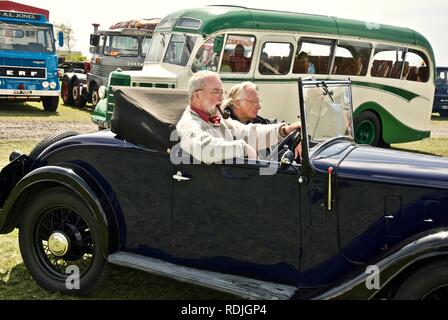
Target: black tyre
<point x="50" y="104"/>
<point x="78" y="99"/>
<point x="443" y="113"/>
<point x="45" y="143"/>
<point x="94" y="93"/>
<point x="368" y="129"/>
<point x="66" y="92"/>
<point x="428" y="283"/>
<point x="59" y="243"/>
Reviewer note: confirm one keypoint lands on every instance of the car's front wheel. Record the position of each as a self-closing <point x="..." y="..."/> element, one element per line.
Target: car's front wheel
<point x="428" y="283"/>
<point x="60" y="243"/>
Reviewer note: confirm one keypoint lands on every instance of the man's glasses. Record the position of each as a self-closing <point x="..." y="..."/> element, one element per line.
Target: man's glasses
<point x="216" y="93"/>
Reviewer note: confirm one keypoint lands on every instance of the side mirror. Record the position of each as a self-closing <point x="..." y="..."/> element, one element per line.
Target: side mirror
<point x="218" y="44"/>
<point x="61" y="39"/>
<point x="94" y="39"/>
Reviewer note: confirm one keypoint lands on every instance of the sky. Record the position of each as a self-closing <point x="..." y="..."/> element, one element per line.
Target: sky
<point x="429" y="17"/>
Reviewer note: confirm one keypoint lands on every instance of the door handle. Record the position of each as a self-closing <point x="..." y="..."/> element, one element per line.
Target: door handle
<point x="179" y="177"/>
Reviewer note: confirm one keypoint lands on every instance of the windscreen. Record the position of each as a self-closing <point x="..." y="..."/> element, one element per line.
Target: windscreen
<point x="179" y="50"/>
<point x="26" y="37"/>
<point x="328" y="111"/>
<point x="157" y="47"/>
<point x="121" y="46"/>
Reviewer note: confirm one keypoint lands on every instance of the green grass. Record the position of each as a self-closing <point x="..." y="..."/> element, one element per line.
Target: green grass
<point x="431" y="146"/>
<point x="34" y="111"/>
<point x="7" y="146"/>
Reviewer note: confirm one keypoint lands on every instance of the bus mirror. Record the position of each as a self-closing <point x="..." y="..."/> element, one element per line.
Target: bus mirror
<point x="94" y="39"/>
<point x="217" y="45"/>
<point x="60" y="39"/>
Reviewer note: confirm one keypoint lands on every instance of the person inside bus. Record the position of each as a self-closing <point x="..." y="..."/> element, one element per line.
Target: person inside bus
<point x="265" y="67"/>
<point x="243" y="104"/>
<point x="238" y="61"/>
<point x="304" y="65"/>
<point x="359" y="66"/>
<point x="211" y="138"/>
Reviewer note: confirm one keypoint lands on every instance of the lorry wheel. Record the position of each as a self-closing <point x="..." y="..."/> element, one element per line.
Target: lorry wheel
<point x="66" y="92"/>
<point x="45" y="143"/>
<point x="368" y="129"/>
<point x="95" y="94"/>
<point x="428" y="283"/>
<point x="50" y="104"/>
<point x="60" y="242"/>
<point x="78" y="99"/>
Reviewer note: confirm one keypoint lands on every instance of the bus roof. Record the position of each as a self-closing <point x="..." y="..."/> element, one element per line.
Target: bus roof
<point x="215" y="18"/>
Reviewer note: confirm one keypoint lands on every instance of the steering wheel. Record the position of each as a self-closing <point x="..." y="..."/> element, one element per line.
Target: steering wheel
<point x="290" y="142"/>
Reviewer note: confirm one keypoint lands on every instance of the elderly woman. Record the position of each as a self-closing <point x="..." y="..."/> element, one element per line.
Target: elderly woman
<point x="243" y="104"/>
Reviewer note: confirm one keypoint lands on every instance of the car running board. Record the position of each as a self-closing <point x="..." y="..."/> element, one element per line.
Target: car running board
<point x="241" y="286"/>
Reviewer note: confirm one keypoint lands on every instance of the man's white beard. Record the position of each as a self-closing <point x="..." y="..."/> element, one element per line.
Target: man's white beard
<point x="210" y="108"/>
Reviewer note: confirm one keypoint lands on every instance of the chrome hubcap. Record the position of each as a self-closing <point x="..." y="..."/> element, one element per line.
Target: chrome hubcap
<point x="58" y="244"/>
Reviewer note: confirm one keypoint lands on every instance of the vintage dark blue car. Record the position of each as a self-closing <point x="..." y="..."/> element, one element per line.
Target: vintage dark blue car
<point x="345" y="221"/>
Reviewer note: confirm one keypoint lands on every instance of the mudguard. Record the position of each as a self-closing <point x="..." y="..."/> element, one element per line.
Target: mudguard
<point x="426" y="246"/>
<point x="77" y="180"/>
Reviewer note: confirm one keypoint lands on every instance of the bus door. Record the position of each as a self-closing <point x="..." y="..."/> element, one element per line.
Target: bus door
<point x="277" y="89"/>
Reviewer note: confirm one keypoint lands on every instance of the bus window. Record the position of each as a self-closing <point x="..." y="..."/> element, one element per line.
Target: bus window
<point x="237" y="55"/>
<point x="351" y="58"/>
<point x="388" y="62"/>
<point x="275" y="58"/>
<point x="146" y="43"/>
<point x="313" y="56"/>
<point x="179" y="49"/>
<point x="417" y="66"/>
<point x="205" y="58"/>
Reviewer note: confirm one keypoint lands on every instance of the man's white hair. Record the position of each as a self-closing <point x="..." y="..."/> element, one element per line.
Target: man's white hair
<point x="198" y="80"/>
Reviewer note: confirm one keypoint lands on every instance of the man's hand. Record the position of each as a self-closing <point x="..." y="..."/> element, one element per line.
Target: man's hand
<point x="251" y="152"/>
<point x="291" y="127"/>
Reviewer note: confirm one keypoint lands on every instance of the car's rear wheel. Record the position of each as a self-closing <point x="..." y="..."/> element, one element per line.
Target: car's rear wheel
<point x="60" y="243"/>
<point x="427" y="283"/>
<point x="45" y="143"/>
<point x="66" y="91"/>
<point x="368" y="129"/>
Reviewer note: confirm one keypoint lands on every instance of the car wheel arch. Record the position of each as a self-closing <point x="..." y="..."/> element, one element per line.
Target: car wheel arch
<point x="51" y="176"/>
<point x="391" y="287"/>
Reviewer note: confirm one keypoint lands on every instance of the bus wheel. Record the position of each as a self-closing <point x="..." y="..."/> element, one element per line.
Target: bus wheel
<point x="443" y="113"/>
<point x="50" y="104"/>
<point x="428" y="283"/>
<point x="78" y="99"/>
<point x="368" y="129"/>
<point x="95" y="94"/>
<point x="66" y="92"/>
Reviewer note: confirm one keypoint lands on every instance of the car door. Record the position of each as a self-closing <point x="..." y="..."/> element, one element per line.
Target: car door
<point x="231" y="218"/>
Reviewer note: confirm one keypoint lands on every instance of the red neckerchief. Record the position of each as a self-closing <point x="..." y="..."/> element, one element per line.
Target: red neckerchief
<point x="212" y="119"/>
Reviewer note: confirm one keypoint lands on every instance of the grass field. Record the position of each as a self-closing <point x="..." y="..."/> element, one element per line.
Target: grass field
<point x="122" y="283"/>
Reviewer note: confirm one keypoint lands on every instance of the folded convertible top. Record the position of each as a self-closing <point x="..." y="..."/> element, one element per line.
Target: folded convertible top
<point x="147" y="116"/>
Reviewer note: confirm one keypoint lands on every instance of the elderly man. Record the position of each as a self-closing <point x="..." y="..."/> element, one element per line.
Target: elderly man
<point x="211" y="139"/>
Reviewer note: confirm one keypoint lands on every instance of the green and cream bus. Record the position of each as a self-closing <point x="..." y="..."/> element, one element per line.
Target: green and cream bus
<point x="391" y="68"/>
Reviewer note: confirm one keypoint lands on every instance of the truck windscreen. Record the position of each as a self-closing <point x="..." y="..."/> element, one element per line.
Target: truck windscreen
<point x="25" y="37"/>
